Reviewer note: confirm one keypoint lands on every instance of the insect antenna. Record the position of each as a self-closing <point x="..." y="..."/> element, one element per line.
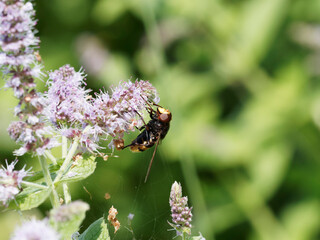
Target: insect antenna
<point x="151" y="161"/>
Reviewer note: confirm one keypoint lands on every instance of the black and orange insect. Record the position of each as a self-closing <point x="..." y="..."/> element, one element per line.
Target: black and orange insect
<point x="154" y="131"/>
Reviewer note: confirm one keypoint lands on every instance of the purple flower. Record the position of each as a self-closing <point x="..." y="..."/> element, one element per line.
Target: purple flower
<point x="67" y="104"/>
<point x="10" y="181"/>
<point x="17" y="38"/>
<point x="17" y="43"/>
<point x="117" y="113"/>
<point x="35" y="229"/>
<point x="76" y="114"/>
<point x="19" y="64"/>
<point x="180" y="212"/>
<point x="33" y="136"/>
<point x="67" y="99"/>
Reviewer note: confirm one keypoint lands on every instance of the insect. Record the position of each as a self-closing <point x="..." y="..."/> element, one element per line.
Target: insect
<point x="154" y="131"/>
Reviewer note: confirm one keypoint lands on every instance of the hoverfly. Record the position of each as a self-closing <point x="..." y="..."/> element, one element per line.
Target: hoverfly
<point x="154" y="131"/>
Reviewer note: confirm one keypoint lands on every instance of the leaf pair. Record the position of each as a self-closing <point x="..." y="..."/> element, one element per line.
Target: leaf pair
<point x="32" y="197"/>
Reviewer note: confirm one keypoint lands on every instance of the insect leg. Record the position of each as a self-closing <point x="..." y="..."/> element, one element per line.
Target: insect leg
<point x="149" y="109"/>
<point x="144" y="123"/>
<point x="151" y="161"/>
<point x="141" y="128"/>
<point x="127" y="146"/>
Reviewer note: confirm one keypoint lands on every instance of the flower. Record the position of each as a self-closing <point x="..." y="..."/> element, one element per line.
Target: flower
<point x="68" y="211"/>
<point x="67" y="99"/>
<point x="35" y="229"/>
<point x="33" y="137"/>
<point x="77" y="115"/>
<point x="17" y="43"/>
<point x="10" y="181"/>
<point x="17" y="33"/>
<point x="18" y="61"/>
<point x="119" y="112"/>
<point x="180" y="212"/>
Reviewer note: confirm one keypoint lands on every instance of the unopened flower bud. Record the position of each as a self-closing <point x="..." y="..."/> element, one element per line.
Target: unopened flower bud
<point x="180" y="212"/>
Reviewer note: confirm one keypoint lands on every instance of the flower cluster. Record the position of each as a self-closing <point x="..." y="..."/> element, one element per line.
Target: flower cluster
<point x="67" y="99"/>
<point x="66" y="110"/>
<point x="67" y="104"/>
<point x="76" y="114"/>
<point x="118" y="113"/>
<point x="18" y="61"/>
<point x="33" y="137"/>
<point x="121" y="111"/>
<point x="180" y="212"/>
<point x="68" y="211"/>
<point x="10" y="181"/>
<point x="17" y="33"/>
<point x="35" y="229"/>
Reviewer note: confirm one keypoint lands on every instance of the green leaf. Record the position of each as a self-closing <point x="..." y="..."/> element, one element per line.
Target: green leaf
<point x="96" y="231"/>
<point x="29" y="198"/>
<point x="200" y="237"/>
<point x="67" y="218"/>
<point x="182" y="230"/>
<point x="81" y="168"/>
<point x="36" y="176"/>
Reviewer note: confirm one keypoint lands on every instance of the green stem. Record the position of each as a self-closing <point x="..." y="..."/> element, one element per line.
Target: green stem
<point x="51" y="157"/>
<point x="67" y="161"/>
<point x="67" y="196"/>
<point x="64" y="146"/>
<point x="54" y="198"/>
<point x="184" y="236"/>
<point x="31" y="184"/>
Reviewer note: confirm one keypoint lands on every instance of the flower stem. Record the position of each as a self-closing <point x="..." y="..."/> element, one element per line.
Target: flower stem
<point x="51" y="157"/>
<point x="67" y="196"/>
<point x="64" y="146"/>
<point x="31" y="184"/>
<point x="67" y="161"/>
<point x="66" y="193"/>
<point x="183" y="236"/>
<point x="54" y="198"/>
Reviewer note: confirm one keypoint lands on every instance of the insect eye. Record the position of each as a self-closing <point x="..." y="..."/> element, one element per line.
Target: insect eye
<point x="165" y="117"/>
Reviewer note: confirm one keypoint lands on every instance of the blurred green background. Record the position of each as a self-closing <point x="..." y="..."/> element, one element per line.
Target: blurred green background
<point x="242" y="81"/>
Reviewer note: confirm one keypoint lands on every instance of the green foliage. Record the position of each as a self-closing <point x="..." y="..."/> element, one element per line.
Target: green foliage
<point x="30" y="197"/>
<point x="96" y="231"/>
<point x="37" y="176"/>
<point x="80" y="169"/>
<point x="68" y="218"/>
